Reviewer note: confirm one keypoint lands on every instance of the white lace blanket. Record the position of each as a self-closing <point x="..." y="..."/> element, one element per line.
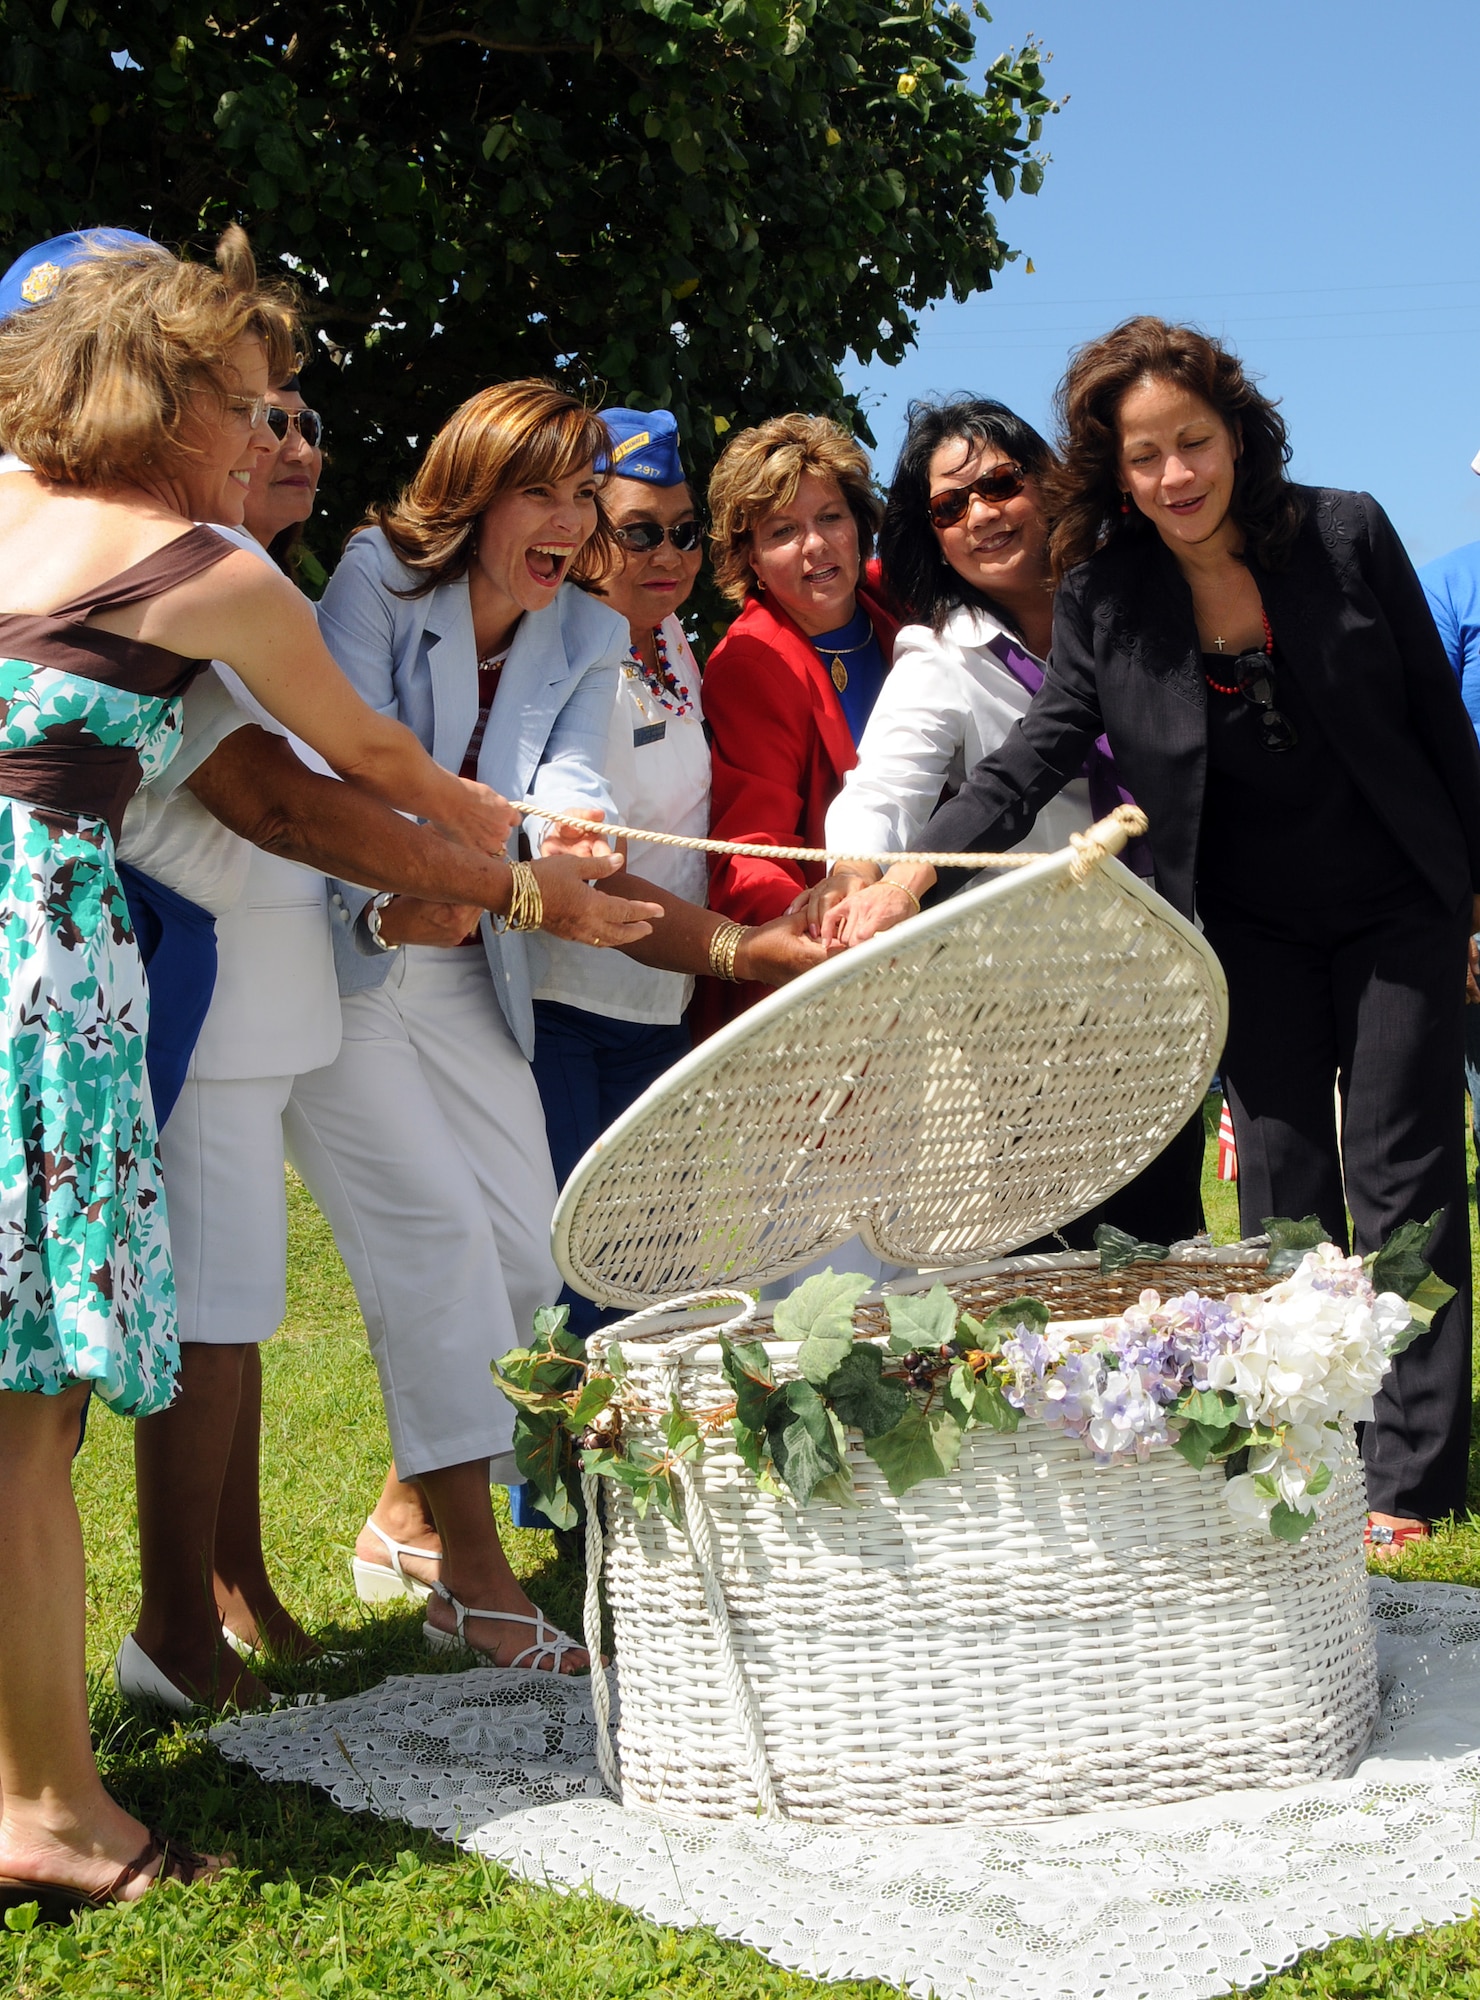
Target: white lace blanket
<point x="1176" y="1901"/>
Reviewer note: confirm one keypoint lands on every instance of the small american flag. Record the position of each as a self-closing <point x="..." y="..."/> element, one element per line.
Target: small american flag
<point x="1227" y="1148"/>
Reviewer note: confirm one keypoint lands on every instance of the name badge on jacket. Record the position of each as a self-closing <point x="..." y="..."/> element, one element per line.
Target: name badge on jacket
<point x="652" y="732"/>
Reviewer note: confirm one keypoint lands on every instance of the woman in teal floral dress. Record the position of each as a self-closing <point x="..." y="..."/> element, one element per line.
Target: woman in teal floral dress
<point x="134" y="393"/>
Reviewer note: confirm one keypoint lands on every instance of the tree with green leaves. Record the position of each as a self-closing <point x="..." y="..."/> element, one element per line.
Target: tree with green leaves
<point x="700" y="204"/>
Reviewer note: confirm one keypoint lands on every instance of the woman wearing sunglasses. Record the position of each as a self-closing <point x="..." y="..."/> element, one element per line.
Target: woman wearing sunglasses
<point x="605" y="1029"/>
<point x="965" y="541"/>
<point x="281" y="497"/>
<point x="790" y="687"/>
<point x="1263" y="662"/>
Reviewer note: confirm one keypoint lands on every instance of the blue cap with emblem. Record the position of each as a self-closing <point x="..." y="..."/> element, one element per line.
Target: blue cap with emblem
<point x="35" y="274"/>
<point x="644" y="446"/>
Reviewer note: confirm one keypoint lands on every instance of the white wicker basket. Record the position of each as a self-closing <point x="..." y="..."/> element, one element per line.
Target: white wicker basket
<point x="1033" y="1635"/>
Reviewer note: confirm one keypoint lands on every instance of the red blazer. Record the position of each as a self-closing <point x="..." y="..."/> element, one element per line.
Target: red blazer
<point x="780" y="751"/>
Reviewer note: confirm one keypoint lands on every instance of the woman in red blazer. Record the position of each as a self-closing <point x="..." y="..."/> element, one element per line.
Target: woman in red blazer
<point x="789" y="688"/>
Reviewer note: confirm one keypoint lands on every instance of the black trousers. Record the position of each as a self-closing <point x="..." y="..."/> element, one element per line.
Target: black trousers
<point x="1371" y="995"/>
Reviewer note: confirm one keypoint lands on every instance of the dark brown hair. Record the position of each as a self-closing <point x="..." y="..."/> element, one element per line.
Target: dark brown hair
<point x="523" y="433"/>
<point x="1083" y="493"/>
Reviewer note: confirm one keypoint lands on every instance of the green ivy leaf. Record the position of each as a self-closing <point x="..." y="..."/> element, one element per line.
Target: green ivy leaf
<point x="594" y="1397"/>
<point x="857" y="1391"/>
<point x="1289" y="1524"/>
<point x="992" y="1407"/>
<point x="1320" y="1479"/>
<point x="543" y="1453"/>
<point x="924" y="1444"/>
<point x="1430" y="1297"/>
<point x="819" y="1313"/>
<point x="682" y="1435"/>
<point x="751" y="1445"/>
<point x="1117" y="1249"/>
<point x="1289" y="1241"/>
<point x="921" y="1320"/>
<point x="1401" y="1264"/>
<point x="747" y="1369"/>
<point x="803" y="1448"/>
<point x="1003" y="1321"/>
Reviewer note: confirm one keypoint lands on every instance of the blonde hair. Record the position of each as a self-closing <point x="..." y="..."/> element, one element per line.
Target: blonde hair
<point x="98" y="381"/>
<point x="758" y="473"/>
<point x="524" y="433"/>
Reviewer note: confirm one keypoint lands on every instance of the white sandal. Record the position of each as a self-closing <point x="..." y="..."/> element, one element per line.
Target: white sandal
<point x="375" y="1583"/>
<point x="548" y="1639"/>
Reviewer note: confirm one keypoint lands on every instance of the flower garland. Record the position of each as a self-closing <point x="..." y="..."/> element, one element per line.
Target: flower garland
<point x="1264" y="1383"/>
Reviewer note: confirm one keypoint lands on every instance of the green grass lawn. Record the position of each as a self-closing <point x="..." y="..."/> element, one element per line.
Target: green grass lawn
<point x="329" y="1904"/>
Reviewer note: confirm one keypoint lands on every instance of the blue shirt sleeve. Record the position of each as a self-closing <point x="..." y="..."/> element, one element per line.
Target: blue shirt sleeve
<point x="1452" y="586"/>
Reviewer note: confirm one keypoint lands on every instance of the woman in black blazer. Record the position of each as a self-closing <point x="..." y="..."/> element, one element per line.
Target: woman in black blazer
<point x="1263" y="661"/>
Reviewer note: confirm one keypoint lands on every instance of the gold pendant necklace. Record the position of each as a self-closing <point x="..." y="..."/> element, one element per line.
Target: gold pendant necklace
<point x="839" y="674"/>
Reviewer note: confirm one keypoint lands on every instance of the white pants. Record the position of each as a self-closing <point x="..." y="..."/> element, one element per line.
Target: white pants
<point x="222" y="1155"/>
<point x="424" y="1145"/>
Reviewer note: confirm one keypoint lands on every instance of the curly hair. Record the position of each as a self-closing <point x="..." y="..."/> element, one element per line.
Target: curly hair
<point x="913" y="565"/>
<point x="758" y="473"/>
<point x="1084" y="491"/>
<point x="522" y="433"/>
<point x="98" y="382"/>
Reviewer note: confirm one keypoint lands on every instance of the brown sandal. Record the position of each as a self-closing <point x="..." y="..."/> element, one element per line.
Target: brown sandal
<point x="162" y="1860"/>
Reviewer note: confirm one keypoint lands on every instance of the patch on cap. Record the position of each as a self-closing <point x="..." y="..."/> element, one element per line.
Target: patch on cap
<point x="40" y="282"/>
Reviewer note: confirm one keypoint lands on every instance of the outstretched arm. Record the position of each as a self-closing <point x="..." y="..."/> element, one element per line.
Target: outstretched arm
<point x="253" y="783"/>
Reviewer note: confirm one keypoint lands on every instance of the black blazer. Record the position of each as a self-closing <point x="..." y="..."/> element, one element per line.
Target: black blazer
<point x="1350" y="620"/>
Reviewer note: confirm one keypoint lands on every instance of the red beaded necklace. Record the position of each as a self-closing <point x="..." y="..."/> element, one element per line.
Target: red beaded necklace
<point x="1218" y="686"/>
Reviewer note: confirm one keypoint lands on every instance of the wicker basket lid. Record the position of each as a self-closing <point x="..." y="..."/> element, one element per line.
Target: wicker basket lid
<point x="958" y="1086"/>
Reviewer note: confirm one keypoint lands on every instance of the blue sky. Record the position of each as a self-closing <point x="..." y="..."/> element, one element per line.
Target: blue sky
<point x="1302" y="179"/>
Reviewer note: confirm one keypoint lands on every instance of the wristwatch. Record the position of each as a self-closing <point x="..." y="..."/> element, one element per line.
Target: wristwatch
<point x="372" y="921"/>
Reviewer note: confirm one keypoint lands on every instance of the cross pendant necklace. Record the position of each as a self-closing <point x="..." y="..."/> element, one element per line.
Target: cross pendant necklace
<point x="1219" y="644"/>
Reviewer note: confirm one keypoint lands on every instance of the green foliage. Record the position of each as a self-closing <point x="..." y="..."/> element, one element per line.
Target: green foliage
<point x="921" y="1320"/>
<point x="857" y="1391"/>
<point x="1117" y="1249"/>
<point x="1289" y="1241"/>
<point x="924" y="1444"/>
<point x="703" y="206"/>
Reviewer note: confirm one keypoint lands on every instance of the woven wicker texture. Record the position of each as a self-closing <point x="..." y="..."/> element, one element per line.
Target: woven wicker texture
<point x="1032" y="1636"/>
<point x="959" y="1085"/>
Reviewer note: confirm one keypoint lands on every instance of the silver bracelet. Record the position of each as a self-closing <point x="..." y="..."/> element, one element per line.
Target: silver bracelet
<point x="372" y="921"/>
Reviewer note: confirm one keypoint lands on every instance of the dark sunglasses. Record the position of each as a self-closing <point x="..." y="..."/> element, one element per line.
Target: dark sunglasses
<point x="640" y="538"/>
<point x="1005" y="483"/>
<point x="1253" y="678"/>
<point x="308" y="423"/>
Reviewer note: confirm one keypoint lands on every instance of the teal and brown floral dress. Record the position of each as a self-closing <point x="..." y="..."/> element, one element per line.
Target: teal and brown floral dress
<point x="86" y="1289"/>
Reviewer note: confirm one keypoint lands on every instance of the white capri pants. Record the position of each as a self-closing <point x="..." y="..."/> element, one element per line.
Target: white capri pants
<point x="222" y="1158"/>
<point x="424" y="1145"/>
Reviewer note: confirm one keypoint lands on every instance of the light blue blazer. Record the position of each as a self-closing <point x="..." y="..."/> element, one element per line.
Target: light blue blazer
<point x="415" y="658"/>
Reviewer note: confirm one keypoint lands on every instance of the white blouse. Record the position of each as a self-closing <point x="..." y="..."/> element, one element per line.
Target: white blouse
<point x="657" y="768"/>
<point x="946" y="703"/>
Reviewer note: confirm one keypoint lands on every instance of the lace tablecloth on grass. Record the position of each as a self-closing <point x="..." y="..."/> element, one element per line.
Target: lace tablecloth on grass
<point x="1147" y="1905"/>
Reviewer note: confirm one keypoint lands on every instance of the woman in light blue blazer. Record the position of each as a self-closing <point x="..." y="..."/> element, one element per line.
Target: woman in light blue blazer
<point x="424" y="1142"/>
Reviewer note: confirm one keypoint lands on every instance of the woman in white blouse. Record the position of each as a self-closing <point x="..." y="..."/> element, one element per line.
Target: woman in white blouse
<point x="965" y="543"/>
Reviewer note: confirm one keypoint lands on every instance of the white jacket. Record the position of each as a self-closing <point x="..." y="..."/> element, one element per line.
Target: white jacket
<point x="946" y="703"/>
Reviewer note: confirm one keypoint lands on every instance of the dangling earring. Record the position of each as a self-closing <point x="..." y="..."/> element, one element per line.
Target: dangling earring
<point x="760" y="584"/>
<point x="1125" y="503"/>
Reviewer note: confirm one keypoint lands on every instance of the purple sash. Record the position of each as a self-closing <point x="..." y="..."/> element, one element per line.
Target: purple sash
<point x="1105" y="789"/>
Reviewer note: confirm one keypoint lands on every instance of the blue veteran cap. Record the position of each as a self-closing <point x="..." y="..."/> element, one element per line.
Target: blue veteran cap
<point x="644" y="446"/>
<point x="35" y="274"/>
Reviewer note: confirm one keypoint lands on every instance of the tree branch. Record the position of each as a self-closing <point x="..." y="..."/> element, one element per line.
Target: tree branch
<point x="502" y="48"/>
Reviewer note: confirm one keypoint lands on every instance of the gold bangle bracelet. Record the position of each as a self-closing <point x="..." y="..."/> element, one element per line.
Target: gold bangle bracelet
<point x="889" y="884"/>
<point x="723" y="946"/>
<point x="526" y="905"/>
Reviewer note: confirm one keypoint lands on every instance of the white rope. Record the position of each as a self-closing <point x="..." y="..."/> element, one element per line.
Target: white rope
<point x="743" y="1704"/>
<point x="1106" y="836"/>
<point x="601" y="1694"/>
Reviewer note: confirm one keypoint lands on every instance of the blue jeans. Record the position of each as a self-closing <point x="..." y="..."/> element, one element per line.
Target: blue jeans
<point x="588" y="1069"/>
